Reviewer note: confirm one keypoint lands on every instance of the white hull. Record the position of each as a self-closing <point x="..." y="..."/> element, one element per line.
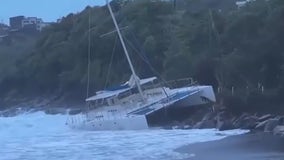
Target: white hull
<point x="203" y="95"/>
<point x="121" y="119"/>
<point x="126" y="123"/>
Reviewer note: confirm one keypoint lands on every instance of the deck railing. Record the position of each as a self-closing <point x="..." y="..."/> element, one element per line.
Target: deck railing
<point x="184" y="82"/>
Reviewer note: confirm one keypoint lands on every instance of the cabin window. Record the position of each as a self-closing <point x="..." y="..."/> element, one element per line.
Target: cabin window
<point x="111" y="101"/>
<point x="101" y="102"/>
<point x="125" y="94"/>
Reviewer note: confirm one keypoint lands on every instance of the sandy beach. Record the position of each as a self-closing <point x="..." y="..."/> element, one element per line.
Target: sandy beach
<point x="251" y="146"/>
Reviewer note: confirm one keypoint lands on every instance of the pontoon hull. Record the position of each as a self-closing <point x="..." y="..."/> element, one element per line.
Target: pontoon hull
<point x="127" y="123"/>
<point x="203" y="95"/>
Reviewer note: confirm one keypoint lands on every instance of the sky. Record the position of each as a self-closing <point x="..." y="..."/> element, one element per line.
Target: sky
<point x="48" y="10"/>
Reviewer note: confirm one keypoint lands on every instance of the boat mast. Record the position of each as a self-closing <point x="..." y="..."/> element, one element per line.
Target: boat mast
<point x="125" y="50"/>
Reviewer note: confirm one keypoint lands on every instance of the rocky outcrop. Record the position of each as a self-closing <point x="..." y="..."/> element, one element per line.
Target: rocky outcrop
<point x="261" y="125"/>
<point x="281" y="120"/>
<point x="208" y="121"/>
<point x="270" y="125"/>
<point x="203" y="119"/>
<point x="279" y="130"/>
<point x="264" y="117"/>
<point x="245" y="121"/>
<point x="225" y="125"/>
<point x="205" y="124"/>
<point x="224" y="120"/>
<point x="209" y="116"/>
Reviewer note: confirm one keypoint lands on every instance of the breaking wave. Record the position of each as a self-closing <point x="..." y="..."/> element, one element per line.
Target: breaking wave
<point x="43" y="137"/>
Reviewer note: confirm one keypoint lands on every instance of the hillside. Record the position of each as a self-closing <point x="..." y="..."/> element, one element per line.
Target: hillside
<point x="16" y="47"/>
<point x="215" y="43"/>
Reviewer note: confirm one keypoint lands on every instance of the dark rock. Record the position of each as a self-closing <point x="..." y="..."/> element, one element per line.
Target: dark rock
<point x="223" y="116"/>
<point x="237" y="122"/>
<point x="244" y="115"/>
<point x="264" y="118"/>
<point x="175" y="123"/>
<point x="224" y="121"/>
<point x="261" y="125"/>
<point x="248" y="122"/>
<point x="270" y="125"/>
<point x="197" y="125"/>
<point x="209" y="116"/>
<point x="225" y="125"/>
<point x="279" y="130"/>
<point x="205" y="124"/>
<point x="219" y="107"/>
<point x="281" y="120"/>
<point x="235" y="119"/>
<point x="189" y="121"/>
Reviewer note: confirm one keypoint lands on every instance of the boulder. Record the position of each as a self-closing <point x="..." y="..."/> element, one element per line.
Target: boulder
<point x="245" y="122"/>
<point x="264" y="117"/>
<point x="224" y="121"/>
<point x="249" y="123"/>
<point x="225" y="125"/>
<point x="205" y="124"/>
<point x="188" y="121"/>
<point x="244" y="115"/>
<point x="261" y="125"/>
<point x="223" y="115"/>
<point x="281" y="120"/>
<point x="270" y="125"/>
<point x="279" y="130"/>
<point x="209" y="116"/>
<point x="175" y="125"/>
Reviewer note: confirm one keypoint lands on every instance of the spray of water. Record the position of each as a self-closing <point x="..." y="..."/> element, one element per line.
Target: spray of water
<point x="43" y="137"/>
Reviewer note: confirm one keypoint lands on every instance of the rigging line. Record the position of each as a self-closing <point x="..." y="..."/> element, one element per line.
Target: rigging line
<point x="146" y="61"/>
<point x="136" y="42"/>
<point x="110" y="64"/>
<point x="89" y="54"/>
<point x="139" y="46"/>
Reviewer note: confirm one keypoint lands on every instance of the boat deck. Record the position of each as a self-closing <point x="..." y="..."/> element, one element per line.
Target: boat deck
<point x="165" y="102"/>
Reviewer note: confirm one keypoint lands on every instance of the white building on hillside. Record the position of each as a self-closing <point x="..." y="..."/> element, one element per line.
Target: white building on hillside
<point x="243" y="3"/>
<point x="34" y="23"/>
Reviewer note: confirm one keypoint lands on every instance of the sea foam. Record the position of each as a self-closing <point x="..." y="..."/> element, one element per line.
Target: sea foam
<point x="43" y="137"/>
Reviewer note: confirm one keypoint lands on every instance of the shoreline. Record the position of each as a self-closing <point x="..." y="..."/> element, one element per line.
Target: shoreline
<point x="249" y="146"/>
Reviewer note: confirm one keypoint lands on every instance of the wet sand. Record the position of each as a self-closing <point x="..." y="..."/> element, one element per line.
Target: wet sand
<point x="251" y="146"/>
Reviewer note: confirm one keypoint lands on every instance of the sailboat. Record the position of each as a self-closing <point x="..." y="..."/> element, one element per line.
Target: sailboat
<point x="134" y="104"/>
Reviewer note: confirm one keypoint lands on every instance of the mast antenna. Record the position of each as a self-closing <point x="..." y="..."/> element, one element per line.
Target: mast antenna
<point x="125" y="50"/>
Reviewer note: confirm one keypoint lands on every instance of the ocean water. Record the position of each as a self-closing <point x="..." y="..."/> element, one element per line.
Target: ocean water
<point x="37" y="136"/>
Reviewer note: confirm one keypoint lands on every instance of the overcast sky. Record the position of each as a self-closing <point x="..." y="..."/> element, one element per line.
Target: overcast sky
<point x="48" y="10"/>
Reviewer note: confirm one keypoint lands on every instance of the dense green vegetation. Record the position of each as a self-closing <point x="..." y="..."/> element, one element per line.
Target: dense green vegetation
<point x="212" y="41"/>
<point x="15" y="48"/>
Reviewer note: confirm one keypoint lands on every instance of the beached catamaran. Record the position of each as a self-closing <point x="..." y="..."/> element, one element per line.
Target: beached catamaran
<point x="134" y="104"/>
